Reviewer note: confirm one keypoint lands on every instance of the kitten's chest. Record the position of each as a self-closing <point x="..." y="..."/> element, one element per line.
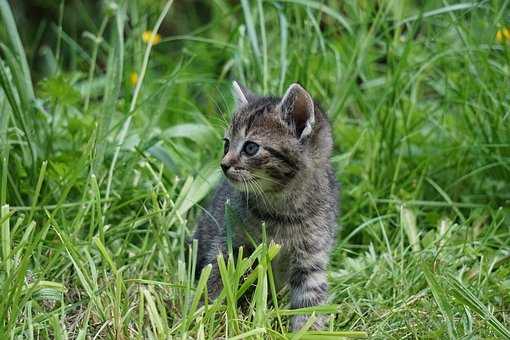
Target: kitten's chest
<point x="284" y="234"/>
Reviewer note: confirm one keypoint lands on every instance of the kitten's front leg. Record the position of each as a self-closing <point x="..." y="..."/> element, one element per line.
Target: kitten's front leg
<point x="214" y="284"/>
<point x="309" y="286"/>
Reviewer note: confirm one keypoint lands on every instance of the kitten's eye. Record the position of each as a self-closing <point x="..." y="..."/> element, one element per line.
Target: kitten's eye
<point x="250" y="148"/>
<point x="226" y="145"/>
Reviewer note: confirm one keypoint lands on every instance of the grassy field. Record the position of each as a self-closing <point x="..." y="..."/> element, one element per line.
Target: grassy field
<point x="110" y="144"/>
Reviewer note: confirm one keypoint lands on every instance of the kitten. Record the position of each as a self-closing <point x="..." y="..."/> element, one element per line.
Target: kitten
<point x="277" y="169"/>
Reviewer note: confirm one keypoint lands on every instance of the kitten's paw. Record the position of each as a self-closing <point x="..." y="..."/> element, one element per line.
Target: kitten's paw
<point x="297" y="322"/>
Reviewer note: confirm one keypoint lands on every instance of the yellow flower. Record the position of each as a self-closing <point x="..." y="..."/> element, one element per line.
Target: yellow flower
<point x="150" y="38"/>
<point x="133" y="78"/>
<point x="503" y="34"/>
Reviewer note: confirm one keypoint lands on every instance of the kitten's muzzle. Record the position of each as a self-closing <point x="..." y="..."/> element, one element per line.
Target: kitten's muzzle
<point x="225" y="167"/>
<point x="228" y="163"/>
<point x="232" y="172"/>
<point x="231" y="167"/>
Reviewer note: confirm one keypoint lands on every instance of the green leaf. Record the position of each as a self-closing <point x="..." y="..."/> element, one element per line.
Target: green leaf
<point x="59" y="89"/>
<point x="466" y="298"/>
<point x="442" y="301"/>
<point x="199" y="133"/>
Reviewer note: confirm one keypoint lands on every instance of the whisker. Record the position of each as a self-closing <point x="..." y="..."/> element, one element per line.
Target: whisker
<point x="245" y="185"/>
<point x="266" y="202"/>
<point x="266" y="178"/>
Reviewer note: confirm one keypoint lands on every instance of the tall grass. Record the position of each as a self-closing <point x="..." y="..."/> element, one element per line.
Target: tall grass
<point x="102" y="177"/>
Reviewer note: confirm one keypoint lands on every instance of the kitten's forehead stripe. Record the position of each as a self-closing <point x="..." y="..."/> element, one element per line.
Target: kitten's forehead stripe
<point x="260" y="115"/>
<point x="254" y="113"/>
<point x="251" y="119"/>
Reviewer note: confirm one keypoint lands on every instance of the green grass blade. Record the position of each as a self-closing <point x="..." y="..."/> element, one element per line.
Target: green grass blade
<point x="284" y="34"/>
<point x="441" y="298"/>
<point x="17" y="111"/>
<point x="316" y="335"/>
<point x="250" y="26"/>
<point x="245" y="335"/>
<point x="37" y="191"/>
<point x="16" y="45"/>
<point x="325" y="9"/>
<point x="6" y="239"/>
<point x="467" y="298"/>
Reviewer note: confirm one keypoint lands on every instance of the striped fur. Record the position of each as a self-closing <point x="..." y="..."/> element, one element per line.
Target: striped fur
<point x="289" y="184"/>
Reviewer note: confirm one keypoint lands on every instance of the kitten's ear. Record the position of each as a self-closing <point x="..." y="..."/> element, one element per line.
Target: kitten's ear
<point x="242" y="94"/>
<point x="297" y="109"/>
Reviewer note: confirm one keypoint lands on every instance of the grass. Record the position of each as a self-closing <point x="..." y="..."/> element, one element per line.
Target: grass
<point x="102" y="179"/>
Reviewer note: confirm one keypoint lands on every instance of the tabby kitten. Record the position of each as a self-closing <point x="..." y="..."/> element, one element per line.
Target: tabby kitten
<point x="277" y="169"/>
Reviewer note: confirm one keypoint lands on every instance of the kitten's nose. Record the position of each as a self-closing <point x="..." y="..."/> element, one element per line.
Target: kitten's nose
<point x="226" y="163"/>
<point x="225" y="167"/>
<point x="230" y="160"/>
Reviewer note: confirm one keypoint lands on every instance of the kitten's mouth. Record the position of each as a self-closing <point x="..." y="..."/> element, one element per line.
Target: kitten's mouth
<point x="238" y="178"/>
<point x="244" y="180"/>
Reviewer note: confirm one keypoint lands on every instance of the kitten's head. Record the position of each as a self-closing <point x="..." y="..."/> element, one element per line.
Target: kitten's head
<point x="272" y="142"/>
